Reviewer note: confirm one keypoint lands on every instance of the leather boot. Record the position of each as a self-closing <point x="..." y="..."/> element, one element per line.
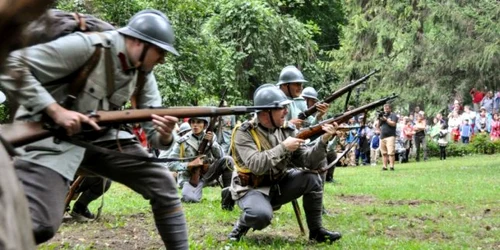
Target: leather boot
<point x="323" y="235"/>
<point x="238" y="231"/>
<point x="227" y="201"/>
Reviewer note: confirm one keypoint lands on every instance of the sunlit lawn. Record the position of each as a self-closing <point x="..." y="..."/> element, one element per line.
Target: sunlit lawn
<point x="453" y="204"/>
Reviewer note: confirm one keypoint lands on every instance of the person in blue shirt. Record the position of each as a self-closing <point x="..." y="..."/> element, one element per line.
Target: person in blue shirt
<point x="466" y="131"/>
<point x="375" y="147"/>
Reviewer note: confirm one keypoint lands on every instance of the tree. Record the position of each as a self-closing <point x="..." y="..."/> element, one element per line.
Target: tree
<point x="426" y="49"/>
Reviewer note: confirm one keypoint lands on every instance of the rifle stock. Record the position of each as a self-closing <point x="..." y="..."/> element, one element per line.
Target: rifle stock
<point x="317" y="130"/>
<point x="303" y="115"/>
<point x="22" y="133"/>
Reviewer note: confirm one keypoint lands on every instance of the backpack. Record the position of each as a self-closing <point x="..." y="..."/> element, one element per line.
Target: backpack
<point x="57" y="23"/>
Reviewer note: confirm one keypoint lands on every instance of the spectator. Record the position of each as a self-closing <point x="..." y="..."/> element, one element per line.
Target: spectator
<point x="408" y="136"/>
<point x="483" y="122"/>
<point x="487" y="102"/>
<point x="496" y="102"/>
<point x="469" y="114"/>
<point x="387" y="125"/>
<point x="465" y="131"/>
<point x="419" y="136"/>
<point x="443" y="141"/>
<point x="375" y="147"/>
<point x="454" y="126"/>
<point x="477" y="97"/>
<point x="495" y="128"/>
<point x="434" y="131"/>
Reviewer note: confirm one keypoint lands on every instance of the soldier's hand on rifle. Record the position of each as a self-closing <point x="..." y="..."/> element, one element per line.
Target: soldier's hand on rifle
<point x="291" y="143"/>
<point x="165" y="126"/>
<point x="198" y="162"/>
<point x="297" y="122"/>
<point x="209" y="136"/>
<point x="70" y="120"/>
<point x="330" y="131"/>
<point x="322" y="108"/>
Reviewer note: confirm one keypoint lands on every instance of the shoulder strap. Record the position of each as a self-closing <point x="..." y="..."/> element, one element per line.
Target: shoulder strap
<point x="79" y="78"/>
<point x="108" y="63"/>
<point x="141" y="81"/>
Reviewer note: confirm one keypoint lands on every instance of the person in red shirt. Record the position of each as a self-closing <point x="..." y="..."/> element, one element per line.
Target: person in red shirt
<point x="477" y="97"/>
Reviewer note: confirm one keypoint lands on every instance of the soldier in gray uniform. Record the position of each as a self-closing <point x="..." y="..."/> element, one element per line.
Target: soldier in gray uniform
<point x="212" y="166"/>
<point x="290" y="82"/>
<point x="48" y="166"/>
<point x="266" y="156"/>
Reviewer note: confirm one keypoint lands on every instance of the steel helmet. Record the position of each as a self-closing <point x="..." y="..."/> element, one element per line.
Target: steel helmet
<point x="310" y="92"/>
<point x="151" y="26"/>
<point x="202" y="118"/>
<point x="184" y="127"/>
<point x="270" y="95"/>
<point x="290" y="74"/>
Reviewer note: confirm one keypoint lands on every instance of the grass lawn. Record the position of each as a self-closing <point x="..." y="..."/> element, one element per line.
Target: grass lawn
<point x="452" y="204"/>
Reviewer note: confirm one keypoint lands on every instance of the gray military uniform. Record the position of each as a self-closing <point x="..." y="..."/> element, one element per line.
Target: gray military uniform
<point x="218" y="163"/>
<point x="298" y="106"/>
<point x="290" y="183"/>
<point x="46" y="167"/>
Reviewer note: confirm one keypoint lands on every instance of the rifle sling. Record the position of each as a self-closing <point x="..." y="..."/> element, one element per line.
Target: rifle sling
<point x="92" y="147"/>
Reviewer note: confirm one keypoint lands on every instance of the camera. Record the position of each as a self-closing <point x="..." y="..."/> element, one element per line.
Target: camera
<point x="380" y="114"/>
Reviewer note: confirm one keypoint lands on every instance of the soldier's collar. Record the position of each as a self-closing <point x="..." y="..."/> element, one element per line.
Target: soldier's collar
<point x="124" y="63"/>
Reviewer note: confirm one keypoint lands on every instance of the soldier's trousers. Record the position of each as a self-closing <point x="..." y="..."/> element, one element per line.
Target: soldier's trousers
<point x="258" y="207"/>
<point x="91" y="189"/>
<point x="46" y="190"/>
<point x="221" y="167"/>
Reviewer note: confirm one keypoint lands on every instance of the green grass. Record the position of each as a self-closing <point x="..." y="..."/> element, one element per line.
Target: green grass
<point x="453" y="204"/>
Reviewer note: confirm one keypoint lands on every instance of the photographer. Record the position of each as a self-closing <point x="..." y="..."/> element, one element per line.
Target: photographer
<point x="387" y="125"/>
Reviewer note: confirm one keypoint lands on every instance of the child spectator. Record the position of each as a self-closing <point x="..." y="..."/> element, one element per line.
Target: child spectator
<point x="465" y="131"/>
<point x="375" y="147"/>
<point x="443" y="141"/>
<point x="495" y="128"/>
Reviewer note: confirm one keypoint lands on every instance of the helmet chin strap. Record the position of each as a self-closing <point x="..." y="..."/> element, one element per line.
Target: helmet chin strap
<point x="271" y="118"/>
<point x="143" y="55"/>
<point x="289" y="92"/>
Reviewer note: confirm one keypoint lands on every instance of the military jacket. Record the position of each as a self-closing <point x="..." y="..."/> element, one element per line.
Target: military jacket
<point x="190" y="144"/>
<point x="298" y="106"/>
<point x="41" y="65"/>
<point x="274" y="161"/>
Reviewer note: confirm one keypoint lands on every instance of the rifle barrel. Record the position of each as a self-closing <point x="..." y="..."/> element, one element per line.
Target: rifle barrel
<point x="303" y="115"/>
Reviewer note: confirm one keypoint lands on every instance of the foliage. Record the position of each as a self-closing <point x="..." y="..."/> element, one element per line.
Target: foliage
<point x="429" y="51"/>
<point x="480" y="144"/>
<point x="262" y="40"/>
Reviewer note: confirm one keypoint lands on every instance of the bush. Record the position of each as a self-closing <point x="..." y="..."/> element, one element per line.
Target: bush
<point x="481" y="144"/>
<point x="453" y="149"/>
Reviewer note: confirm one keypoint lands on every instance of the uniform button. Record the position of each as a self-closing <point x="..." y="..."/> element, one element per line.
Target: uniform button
<point x="91" y="90"/>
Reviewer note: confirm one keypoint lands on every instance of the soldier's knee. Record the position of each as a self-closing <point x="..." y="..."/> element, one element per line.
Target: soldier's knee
<point x="43" y="233"/>
<point x="260" y="219"/>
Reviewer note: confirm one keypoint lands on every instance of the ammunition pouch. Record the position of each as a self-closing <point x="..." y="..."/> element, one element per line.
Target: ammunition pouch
<point x="255" y="181"/>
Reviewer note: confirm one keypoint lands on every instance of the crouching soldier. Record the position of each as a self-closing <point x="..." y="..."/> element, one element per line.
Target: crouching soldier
<point x="195" y="175"/>
<point x="265" y="154"/>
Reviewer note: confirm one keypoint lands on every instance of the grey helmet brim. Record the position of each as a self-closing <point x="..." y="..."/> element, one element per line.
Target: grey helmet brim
<point x="139" y="35"/>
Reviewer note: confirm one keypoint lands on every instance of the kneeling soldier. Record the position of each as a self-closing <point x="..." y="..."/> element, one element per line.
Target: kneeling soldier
<point x="265" y="154"/>
<point x="193" y="176"/>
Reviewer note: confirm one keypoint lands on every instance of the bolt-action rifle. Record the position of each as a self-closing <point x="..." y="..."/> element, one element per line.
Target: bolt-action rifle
<point x="344" y="117"/>
<point x="22" y="133"/>
<point x="303" y="115"/>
